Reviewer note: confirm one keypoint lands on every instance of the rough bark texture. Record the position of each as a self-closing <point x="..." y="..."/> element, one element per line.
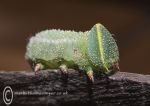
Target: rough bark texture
<point x="119" y="89"/>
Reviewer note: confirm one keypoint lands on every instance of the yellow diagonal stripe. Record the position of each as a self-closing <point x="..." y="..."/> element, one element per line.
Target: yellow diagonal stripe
<point x="100" y="47"/>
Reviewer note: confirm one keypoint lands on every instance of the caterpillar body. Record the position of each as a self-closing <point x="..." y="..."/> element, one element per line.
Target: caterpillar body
<point x="91" y="51"/>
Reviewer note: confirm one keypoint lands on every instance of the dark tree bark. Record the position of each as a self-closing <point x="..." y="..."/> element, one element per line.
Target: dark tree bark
<point x="49" y="88"/>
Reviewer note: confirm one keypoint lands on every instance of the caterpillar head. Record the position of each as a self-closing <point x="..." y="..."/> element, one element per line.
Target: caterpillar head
<point x="102" y="48"/>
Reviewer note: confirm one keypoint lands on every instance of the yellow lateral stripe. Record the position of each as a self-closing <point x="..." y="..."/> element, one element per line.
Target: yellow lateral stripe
<point x="99" y="38"/>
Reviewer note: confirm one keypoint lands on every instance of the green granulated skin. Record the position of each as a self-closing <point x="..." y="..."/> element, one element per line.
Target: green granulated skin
<point x="95" y="48"/>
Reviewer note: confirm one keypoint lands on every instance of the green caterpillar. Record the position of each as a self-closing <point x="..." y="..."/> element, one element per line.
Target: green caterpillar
<point x="91" y="51"/>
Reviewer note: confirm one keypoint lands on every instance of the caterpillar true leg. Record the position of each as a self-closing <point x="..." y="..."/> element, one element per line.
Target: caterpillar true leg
<point x="90" y="75"/>
<point x="38" y="67"/>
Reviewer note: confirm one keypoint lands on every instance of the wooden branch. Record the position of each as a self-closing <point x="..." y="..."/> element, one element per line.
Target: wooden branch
<point x="49" y="88"/>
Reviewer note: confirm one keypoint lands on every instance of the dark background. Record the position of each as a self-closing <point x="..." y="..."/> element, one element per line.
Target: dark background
<point x="128" y="21"/>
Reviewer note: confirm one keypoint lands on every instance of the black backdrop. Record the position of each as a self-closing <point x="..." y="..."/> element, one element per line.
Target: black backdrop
<point x="128" y="21"/>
